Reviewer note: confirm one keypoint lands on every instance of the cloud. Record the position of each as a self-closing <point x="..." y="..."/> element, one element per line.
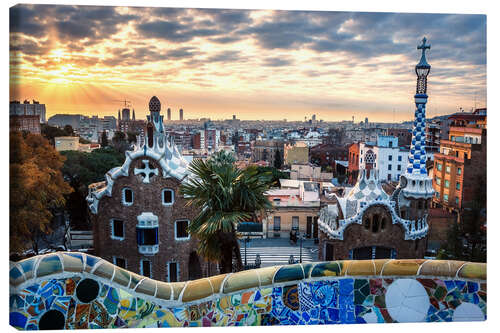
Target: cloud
<point x="277" y="62"/>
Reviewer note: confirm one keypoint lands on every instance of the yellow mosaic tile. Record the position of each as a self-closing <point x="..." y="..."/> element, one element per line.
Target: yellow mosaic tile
<point x="105" y="270"/>
<point x="343" y="264"/>
<point x="121" y="276"/>
<point x="146" y="286"/>
<point x="241" y="280"/>
<point x="402" y="267"/>
<point x="266" y="275"/>
<point x="164" y="291"/>
<point x="217" y="282"/>
<point x="72" y="264"/>
<point x="197" y="289"/>
<point x="379" y="264"/>
<point x="177" y="287"/>
<point x="360" y="267"/>
<point x="135" y="279"/>
<point x="473" y="270"/>
<point x="440" y="268"/>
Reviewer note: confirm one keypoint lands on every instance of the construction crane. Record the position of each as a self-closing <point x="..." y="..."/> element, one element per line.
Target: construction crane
<point x="124" y="102"/>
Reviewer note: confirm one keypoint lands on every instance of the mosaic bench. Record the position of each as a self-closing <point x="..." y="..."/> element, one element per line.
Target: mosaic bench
<point x="71" y="290"/>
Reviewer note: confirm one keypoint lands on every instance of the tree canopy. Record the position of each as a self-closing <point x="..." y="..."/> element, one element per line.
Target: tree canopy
<point x="36" y="187"/>
<point x="225" y="196"/>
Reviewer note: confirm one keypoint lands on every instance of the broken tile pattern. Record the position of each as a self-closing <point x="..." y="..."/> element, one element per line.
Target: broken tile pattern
<point x="321" y="299"/>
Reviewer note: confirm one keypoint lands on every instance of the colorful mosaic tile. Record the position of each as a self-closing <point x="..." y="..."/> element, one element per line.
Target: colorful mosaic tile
<point x="328" y="296"/>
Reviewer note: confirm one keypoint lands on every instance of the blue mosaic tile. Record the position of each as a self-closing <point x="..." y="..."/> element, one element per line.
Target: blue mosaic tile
<point x="18" y="320"/>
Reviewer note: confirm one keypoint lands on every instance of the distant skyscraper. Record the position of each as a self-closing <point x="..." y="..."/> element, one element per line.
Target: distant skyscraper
<point x="119" y="115"/>
<point x="125" y="114"/>
<point x="314" y="117"/>
<point x="353" y="119"/>
<point x="169" y="114"/>
<point x="234" y="117"/>
<point x="133" y="114"/>
<point x="181" y="114"/>
<point x="366" y="122"/>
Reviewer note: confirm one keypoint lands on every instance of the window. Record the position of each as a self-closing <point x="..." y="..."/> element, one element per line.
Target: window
<point x="465" y="156"/>
<point x="146" y="268"/>
<point x="172" y="272"/>
<point x="448" y="169"/>
<point x="390" y="157"/>
<point x="120" y="262"/>
<point x="439" y="166"/>
<point x="400" y="158"/>
<point x="446" y="183"/>
<point x="295" y="222"/>
<point x="127" y="196"/>
<point x="389" y="167"/>
<point x="181" y="229"/>
<point x="277" y="223"/>
<point x="459" y="171"/>
<point x="167" y="197"/>
<point x="445" y="197"/>
<point x="437" y="195"/>
<point x="117" y="229"/>
<point x="276" y="200"/>
<point x="399" y="167"/>
<point x="458" y="186"/>
<point x="147" y="236"/>
<point x="389" y="176"/>
<point x="438" y="181"/>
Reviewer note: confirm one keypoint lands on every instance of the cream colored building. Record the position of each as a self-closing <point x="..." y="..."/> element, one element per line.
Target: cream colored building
<point x="63" y="143"/>
<point x="309" y="172"/>
<point x="297" y="153"/>
<point x="293" y="208"/>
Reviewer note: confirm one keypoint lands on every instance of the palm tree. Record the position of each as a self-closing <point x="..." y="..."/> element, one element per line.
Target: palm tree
<point x="225" y="196"/>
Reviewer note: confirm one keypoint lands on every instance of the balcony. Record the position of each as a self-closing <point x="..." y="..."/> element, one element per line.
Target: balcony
<point x="148" y="249"/>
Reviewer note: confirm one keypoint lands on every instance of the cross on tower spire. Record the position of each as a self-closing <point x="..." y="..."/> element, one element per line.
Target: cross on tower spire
<point x="423" y="47"/>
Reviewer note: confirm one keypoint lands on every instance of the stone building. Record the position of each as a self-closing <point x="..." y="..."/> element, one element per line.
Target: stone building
<point x="297" y="153"/>
<point x="367" y="222"/>
<point x="139" y="218"/>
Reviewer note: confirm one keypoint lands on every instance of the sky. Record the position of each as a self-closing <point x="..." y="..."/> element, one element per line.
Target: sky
<point x="258" y="64"/>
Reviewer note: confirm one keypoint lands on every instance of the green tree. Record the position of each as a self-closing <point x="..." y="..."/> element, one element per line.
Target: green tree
<point x="37" y="188"/>
<point x="50" y="132"/>
<point x="81" y="169"/>
<point x="132" y="137"/>
<point x="119" y="142"/>
<point x="68" y="130"/>
<point x="104" y="139"/>
<point x="225" y="196"/>
<point x="278" y="161"/>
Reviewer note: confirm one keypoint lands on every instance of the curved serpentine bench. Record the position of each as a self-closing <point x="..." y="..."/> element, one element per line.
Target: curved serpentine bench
<point x="76" y="290"/>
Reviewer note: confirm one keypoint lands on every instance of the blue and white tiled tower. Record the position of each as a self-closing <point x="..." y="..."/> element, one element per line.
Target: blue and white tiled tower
<point x="415" y="184"/>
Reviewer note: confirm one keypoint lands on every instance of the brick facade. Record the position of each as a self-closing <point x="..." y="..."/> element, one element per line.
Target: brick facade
<point x="146" y="198"/>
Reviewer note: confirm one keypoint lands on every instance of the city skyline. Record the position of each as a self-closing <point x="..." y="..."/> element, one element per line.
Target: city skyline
<point x="258" y="64"/>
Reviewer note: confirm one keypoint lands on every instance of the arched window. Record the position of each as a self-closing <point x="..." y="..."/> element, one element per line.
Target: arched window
<point x="367" y="223"/>
<point x="150" y="134"/>
<point x="382" y="223"/>
<point x="375" y="223"/>
<point x="127" y="196"/>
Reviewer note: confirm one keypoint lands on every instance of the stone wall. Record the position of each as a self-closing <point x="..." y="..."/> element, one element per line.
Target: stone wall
<point x="74" y="290"/>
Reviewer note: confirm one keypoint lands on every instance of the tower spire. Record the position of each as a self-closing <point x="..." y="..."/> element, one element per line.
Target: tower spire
<point x="417" y="182"/>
